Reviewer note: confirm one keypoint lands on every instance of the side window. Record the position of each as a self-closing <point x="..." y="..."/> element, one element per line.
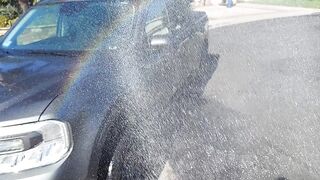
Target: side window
<point x="43" y="27"/>
<point x="157" y="22"/>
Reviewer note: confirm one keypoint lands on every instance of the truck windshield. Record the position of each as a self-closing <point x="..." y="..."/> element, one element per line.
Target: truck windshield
<point x="62" y="26"/>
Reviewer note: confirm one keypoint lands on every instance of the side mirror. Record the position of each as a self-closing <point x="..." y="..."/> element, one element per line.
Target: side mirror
<point x="159" y="42"/>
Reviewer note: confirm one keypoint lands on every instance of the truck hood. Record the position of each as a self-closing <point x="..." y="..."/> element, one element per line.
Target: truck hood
<point x="29" y="83"/>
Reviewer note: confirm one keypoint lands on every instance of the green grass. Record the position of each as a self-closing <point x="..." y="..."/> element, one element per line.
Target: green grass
<point x="297" y="3"/>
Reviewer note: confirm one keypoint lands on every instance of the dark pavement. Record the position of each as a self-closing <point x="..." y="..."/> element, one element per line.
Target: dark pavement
<point x="259" y="117"/>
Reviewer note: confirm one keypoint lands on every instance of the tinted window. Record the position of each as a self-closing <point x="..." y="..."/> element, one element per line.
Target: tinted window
<point x="43" y="26"/>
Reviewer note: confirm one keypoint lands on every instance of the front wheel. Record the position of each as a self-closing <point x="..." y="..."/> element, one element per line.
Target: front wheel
<point x="114" y="133"/>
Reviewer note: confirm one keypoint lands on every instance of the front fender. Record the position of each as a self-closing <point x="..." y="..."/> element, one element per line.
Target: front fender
<point x="85" y="106"/>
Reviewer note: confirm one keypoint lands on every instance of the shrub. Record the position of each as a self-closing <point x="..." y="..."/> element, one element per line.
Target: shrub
<point x="4" y="21"/>
<point x="12" y="21"/>
<point x="8" y="14"/>
<point x="9" y="11"/>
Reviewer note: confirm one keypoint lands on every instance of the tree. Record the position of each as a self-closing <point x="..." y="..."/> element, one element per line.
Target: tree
<point x="25" y="4"/>
<point x="20" y="5"/>
<point x="11" y="9"/>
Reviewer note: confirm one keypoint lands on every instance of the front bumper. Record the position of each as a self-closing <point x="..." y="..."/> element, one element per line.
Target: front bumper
<point x="49" y="172"/>
<point x="39" y="153"/>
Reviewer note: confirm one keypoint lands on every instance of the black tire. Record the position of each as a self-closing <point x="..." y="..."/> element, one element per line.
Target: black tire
<point x="113" y="135"/>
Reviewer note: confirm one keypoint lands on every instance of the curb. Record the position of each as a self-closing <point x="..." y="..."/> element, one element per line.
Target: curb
<point x="214" y="23"/>
<point x="247" y="12"/>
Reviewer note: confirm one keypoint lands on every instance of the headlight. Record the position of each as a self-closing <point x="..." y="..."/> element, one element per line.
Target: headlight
<point x="33" y="145"/>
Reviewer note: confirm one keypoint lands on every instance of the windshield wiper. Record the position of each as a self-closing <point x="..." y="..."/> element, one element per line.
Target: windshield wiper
<point x="52" y="53"/>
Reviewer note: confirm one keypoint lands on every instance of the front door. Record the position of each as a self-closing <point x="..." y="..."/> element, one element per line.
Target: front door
<point x="159" y="66"/>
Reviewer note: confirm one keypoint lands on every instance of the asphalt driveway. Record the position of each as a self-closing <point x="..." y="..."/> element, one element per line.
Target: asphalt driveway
<point x="259" y="117"/>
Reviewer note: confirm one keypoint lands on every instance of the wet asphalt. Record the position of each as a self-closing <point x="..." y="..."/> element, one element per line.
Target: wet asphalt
<point x="259" y="117"/>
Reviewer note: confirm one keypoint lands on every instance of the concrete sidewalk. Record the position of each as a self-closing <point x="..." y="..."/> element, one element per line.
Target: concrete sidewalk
<point x="3" y="31"/>
<point x="245" y="12"/>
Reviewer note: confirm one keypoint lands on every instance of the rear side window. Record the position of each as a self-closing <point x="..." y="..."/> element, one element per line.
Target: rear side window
<point x="157" y="21"/>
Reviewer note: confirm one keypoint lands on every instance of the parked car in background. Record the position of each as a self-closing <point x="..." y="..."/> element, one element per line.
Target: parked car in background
<point x="74" y="73"/>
